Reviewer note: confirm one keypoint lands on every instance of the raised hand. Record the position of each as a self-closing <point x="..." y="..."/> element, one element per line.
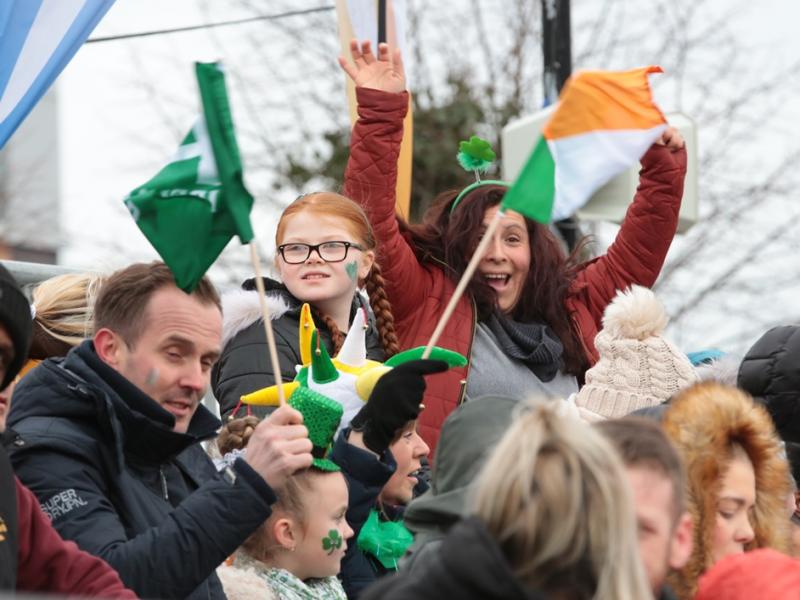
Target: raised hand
<point x="672" y="139"/>
<point x="384" y="72"/>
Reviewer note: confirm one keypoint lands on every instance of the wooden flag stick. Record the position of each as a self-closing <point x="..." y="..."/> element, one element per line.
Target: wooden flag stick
<point x="462" y="283"/>
<point x="262" y="296"/>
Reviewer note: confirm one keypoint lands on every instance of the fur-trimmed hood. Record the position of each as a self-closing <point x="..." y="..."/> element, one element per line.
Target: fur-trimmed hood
<point x="241" y="308"/>
<point x="703" y="422"/>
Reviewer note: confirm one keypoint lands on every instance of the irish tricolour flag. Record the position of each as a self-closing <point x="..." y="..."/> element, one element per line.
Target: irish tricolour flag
<point x="605" y="121"/>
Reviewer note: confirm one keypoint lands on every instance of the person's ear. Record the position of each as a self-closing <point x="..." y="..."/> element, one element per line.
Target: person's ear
<point x="110" y="347"/>
<point x="682" y="542"/>
<point x="284" y="531"/>
<point x="365" y="266"/>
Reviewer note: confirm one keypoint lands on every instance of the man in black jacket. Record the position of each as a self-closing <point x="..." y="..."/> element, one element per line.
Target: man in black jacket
<point x="109" y="440"/>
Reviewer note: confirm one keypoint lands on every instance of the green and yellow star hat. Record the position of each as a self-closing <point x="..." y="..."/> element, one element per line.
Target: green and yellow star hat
<point x="321" y="416"/>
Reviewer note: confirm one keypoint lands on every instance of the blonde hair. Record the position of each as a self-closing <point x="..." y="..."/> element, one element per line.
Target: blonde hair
<point x="553" y="495"/>
<point x="64" y="317"/>
<point x="335" y="205"/>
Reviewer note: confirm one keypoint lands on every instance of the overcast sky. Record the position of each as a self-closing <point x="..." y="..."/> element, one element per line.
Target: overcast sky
<point x="110" y="138"/>
<point x="114" y="137"/>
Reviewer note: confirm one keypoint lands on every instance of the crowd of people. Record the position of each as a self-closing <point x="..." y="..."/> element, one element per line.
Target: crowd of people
<point x="572" y="453"/>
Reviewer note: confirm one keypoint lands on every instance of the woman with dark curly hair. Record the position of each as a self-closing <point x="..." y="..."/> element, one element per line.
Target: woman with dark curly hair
<point x="530" y="314"/>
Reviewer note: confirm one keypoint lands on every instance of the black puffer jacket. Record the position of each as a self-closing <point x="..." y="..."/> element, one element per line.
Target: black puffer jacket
<point x="112" y="475"/>
<point x="366" y="475"/>
<point x="244" y="366"/>
<point x="770" y="372"/>
<point x="467" y="565"/>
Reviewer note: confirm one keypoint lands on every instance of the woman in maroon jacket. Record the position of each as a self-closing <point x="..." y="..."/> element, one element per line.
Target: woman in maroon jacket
<point x="529" y="317"/>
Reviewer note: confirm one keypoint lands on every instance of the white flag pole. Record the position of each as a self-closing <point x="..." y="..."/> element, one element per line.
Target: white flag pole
<point x="462" y="283"/>
<point x="262" y="296"/>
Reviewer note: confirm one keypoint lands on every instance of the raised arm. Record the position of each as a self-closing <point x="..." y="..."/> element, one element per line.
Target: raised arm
<point x="641" y="246"/>
<point x="371" y="174"/>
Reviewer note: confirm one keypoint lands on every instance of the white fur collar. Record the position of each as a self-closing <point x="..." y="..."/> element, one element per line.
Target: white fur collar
<point x="241" y="308"/>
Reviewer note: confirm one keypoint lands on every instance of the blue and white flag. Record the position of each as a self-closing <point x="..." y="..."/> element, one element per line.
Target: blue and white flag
<point x="37" y="40"/>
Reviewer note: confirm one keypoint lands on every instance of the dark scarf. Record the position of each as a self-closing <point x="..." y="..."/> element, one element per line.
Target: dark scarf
<point x="534" y="344"/>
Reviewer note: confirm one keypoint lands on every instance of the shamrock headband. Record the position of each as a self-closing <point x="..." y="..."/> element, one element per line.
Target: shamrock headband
<point x="477" y="156"/>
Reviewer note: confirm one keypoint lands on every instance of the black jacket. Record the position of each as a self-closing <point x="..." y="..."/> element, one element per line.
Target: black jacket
<point x="366" y="475"/>
<point x="107" y="468"/>
<point x="244" y="365"/>
<point x="770" y="372"/>
<point x="468" y="565"/>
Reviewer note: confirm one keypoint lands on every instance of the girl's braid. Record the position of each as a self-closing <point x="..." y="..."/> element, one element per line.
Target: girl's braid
<point x="382" y="308"/>
<point x="336" y="335"/>
<point x="235" y="434"/>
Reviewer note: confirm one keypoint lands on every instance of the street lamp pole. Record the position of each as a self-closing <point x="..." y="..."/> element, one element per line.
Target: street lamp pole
<point x="556" y="47"/>
<point x="381" y="21"/>
<point x="557" y="55"/>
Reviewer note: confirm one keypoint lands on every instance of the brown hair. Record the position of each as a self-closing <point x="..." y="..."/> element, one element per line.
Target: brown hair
<point x="122" y="303"/>
<point x="235" y="435"/>
<point x="336" y="205"/>
<point x="452" y="238"/>
<point x="64" y="308"/>
<point x="707" y="422"/>
<point x="642" y="443"/>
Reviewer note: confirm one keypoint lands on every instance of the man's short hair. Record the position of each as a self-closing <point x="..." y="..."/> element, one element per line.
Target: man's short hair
<point x="121" y="305"/>
<point x="642" y="443"/>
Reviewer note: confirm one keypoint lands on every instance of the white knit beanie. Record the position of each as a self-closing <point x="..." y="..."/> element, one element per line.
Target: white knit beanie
<point x="637" y="367"/>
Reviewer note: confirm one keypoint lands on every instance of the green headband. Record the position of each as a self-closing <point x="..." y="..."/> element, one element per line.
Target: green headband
<point x="474" y="186"/>
<point x="475" y="155"/>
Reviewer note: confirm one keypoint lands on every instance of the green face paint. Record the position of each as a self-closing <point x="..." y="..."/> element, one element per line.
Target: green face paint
<point x="352" y="270"/>
<point x="333" y="542"/>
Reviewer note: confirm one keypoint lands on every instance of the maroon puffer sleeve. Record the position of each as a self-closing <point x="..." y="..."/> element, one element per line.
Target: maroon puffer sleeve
<point x="370" y="180"/>
<point x="641" y="246"/>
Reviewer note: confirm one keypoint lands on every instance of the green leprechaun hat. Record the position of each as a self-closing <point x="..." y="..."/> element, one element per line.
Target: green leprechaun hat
<point x="321" y="416"/>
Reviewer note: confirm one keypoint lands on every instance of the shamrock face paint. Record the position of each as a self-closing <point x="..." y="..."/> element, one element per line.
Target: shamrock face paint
<point x="352" y="270"/>
<point x="322" y="545"/>
<point x="332" y="542"/>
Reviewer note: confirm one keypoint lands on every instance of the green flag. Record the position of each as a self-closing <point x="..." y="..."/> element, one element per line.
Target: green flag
<point x="192" y="208"/>
<point x="534" y="190"/>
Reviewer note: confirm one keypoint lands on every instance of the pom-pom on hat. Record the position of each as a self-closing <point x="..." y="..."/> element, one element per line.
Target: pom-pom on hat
<point x="15" y="316"/>
<point x="321" y="416"/>
<point x="638" y="368"/>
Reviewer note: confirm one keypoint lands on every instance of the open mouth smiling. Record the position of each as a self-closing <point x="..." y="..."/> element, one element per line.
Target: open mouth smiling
<point x="496" y="279"/>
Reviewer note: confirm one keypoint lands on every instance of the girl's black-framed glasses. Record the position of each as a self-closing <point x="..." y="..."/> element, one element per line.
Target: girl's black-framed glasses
<point x="333" y="251"/>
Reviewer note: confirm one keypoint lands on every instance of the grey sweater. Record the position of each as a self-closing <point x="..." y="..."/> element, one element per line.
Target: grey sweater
<point x="493" y="372"/>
